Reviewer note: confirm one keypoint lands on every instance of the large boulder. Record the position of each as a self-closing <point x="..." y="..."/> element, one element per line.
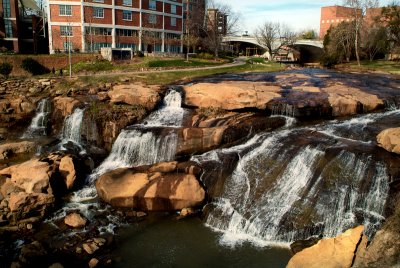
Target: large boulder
<point x="135" y="94"/>
<point x="389" y="139"/>
<point x="75" y="220"/>
<point x="32" y="176"/>
<point x="23" y="205"/>
<point x="66" y="105"/>
<point x="9" y="149"/>
<point x="67" y="170"/>
<point x="140" y="189"/>
<point x="330" y="252"/>
<point x="230" y="95"/>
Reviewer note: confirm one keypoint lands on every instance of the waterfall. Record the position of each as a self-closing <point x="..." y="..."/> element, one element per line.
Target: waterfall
<point x="38" y="126"/>
<point x="293" y="184"/>
<point x="72" y="127"/>
<point x="153" y="141"/>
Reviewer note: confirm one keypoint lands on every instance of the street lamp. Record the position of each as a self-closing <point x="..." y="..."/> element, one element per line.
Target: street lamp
<point x="69" y="50"/>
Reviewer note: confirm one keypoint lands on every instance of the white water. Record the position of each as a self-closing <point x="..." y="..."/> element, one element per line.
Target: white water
<point x="72" y="127"/>
<point x="276" y="184"/>
<point x="39" y="121"/>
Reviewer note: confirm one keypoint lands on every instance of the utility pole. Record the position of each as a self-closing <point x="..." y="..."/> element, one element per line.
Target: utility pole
<point x="69" y="50"/>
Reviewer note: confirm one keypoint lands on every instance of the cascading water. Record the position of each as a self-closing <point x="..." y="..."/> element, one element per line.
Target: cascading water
<point x="72" y="127"/>
<point x="152" y="141"/>
<point x="38" y="126"/>
<point x="297" y="183"/>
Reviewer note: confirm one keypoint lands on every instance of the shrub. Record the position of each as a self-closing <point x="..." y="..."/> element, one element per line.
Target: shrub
<point x="34" y="67"/>
<point x="205" y="56"/>
<point x="139" y="53"/>
<point x="5" y="69"/>
<point x="328" y="60"/>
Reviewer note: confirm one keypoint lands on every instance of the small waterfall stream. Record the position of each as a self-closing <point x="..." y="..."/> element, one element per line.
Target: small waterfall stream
<point x="301" y="182"/>
<point x="72" y="127"/>
<point x="38" y="126"/>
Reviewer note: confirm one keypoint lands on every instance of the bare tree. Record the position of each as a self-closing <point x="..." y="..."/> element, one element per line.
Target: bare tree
<point x="359" y="9"/>
<point x="274" y="36"/>
<point x="221" y="20"/>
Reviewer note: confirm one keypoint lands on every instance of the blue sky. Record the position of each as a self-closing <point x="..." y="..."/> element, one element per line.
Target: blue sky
<point x="298" y="14"/>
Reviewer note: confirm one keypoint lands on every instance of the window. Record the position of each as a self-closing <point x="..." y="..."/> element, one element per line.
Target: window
<point x="67" y="46"/>
<point x="66" y="30"/>
<point x="6" y="9"/>
<point x="173" y="21"/>
<point x="152" y="4"/>
<point x="152" y="19"/>
<point x="8" y="28"/>
<point x="132" y="46"/>
<point x="98" y="31"/>
<point x="127" y="15"/>
<point x="127" y="2"/>
<point x="126" y="32"/>
<point x="173" y="9"/>
<point x="65" y="10"/>
<point x="98" y="46"/>
<point x="98" y="12"/>
<point x="98" y="1"/>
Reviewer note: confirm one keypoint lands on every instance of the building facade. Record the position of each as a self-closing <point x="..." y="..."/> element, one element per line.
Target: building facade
<point x="217" y="20"/>
<point x="88" y="25"/>
<point x="333" y="15"/>
<point x="22" y="27"/>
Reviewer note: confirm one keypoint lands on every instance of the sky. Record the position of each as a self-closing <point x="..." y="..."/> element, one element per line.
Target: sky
<point x="297" y="14"/>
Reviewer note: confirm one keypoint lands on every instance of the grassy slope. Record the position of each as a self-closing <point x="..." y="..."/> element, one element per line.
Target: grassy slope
<point x="391" y="67"/>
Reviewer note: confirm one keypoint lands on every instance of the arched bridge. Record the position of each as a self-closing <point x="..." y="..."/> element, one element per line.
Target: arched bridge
<point x="310" y="50"/>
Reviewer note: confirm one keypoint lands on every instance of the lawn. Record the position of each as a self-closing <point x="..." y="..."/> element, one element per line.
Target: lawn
<point x="392" y="67"/>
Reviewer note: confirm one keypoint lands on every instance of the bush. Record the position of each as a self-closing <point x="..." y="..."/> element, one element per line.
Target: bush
<point x="34" y="67"/>
<point x="328" y="60"/>
<point x="139" y="53"/>
<point x="5" y="69"/>
<point x="205" y="56"/>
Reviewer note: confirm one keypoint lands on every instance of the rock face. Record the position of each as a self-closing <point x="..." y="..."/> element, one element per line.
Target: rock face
<point x="141" y="189"/>
<point x="230" y="95"/>
<point x="135" y="94"/>
<point x="331" y="252"/>
<point x="66" y="105"/>
<point x="67" y="170"/>
<point x="284" y="97"/>
<point x="389" y="140"/>
<point x="75" y="220"/>
<point x="9" y="149"/>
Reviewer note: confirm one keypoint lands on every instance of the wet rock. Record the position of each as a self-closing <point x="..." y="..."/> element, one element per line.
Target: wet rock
<point x="135" y="94"/>
<point x="330" y="252"/>
<point x="298" y="246"/>
<point x="148" y="191"/>
<point x="75" y="220"/>
<point x="56" y="265"/>
<point x="93" y="262"/>
<point x="32" y="253"/>
<point x="186" y="212"/>
<point x="164" y="167"/>
<point x="103" y="96"/>
<point x="32" y="176"/>
<point x="92" y="245"/>
<point x="67" y="170"/>
<point x="230" y="95"/>
<point x="23" y="204"/>
<point x="389" y="139"/>
<point x="9" y="149"/>
<point x="66" y="105"/>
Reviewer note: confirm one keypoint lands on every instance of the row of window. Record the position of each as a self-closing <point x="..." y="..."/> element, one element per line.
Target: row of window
<point x="67" y="31"/>
<point x="335" y="20"/>
<point x="66" y="10"/>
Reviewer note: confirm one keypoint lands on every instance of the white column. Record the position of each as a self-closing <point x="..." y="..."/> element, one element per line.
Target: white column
<point x="51" y="48"/>
<point x="140" y="26"/>
<point x="83" y="27"/>
<point x="113" y="32"/>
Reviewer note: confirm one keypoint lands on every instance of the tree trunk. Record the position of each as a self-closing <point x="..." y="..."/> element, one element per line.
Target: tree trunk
<point x="356" y="45"/>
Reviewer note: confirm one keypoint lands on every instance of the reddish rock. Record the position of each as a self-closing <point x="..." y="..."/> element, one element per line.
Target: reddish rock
<point x="135" y="94"/>
<point x="75" y="220"/>
<point x="389" y="139"/>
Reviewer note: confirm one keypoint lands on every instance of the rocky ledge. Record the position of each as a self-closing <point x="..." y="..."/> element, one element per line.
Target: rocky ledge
<point x="166" y="186"/>
<point x="389" y="140"/>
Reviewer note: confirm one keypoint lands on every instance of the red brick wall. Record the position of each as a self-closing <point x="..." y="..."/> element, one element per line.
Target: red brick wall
<point x="107" y="16"/>
<point x="55" y="17"/>
<point x="58" y="40"/>
<point x="168" y="25"/>
<point x="135" y="3"/>
<point x="119" y="21"/>
<point x="333" y="15"/>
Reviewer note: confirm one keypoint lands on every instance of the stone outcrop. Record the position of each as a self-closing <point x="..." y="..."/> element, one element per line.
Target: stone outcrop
<point x="389" y="140"/>
<point x="330" y="252"/>
<point x="75" y="220"/>
<point x="66" y="105"/>
<point x="145" y="190"/>
<point x="8" y="150"/>
<point x="284" y="97"/>
<point x="135" y="94"/>
<point x="67" y="170"/>
<point x="230" y="95"/>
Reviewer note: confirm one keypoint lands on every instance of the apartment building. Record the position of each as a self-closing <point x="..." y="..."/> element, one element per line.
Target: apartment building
<point x="22" y="27"/>
<point x="88" y="25"/>
<point x="217" y="20"/>
<point x="333" y="15"/>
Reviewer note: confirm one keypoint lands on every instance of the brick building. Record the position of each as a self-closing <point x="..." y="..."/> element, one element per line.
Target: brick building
<point x="333" y="15"/>
<point x="22" y="27"/>
<point x="217" y="20"/>
<point x="88" y="25"/>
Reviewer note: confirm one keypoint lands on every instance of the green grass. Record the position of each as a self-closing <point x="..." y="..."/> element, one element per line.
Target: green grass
<point x="181" y="63"/>
<point x="256" y="60"/>
<point x="392" y="67"/>
<point x="97" y="66"/>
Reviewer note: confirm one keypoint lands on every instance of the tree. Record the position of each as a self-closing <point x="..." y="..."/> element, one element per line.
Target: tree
<point x="359" y="9"/>
<point x="375" y="42"/>
<point x="5" y="69"/>
<point x="390" y="19"/>
<point x="221" y="20"/>
<point x="309" y="34"/>
<point x="274" y="36"/>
